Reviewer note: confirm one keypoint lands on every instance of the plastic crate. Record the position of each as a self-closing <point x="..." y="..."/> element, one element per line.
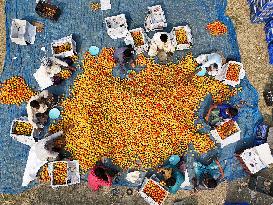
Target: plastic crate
<point x="24" y="139"/>
<point x="186" y="45"/>
<point x="72" y="170"/>
<point x="61" y="42"/>
<point x="155" y="20"/>
<point x="116" y="26"/>
<point x="49" y="11"/>
<point x="147" y="198"/>
<point x="229" y="140"/>
<point x="240" y="76"/>
<point x="130" y="40"/>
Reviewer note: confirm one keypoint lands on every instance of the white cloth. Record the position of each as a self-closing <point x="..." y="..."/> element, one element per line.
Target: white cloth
<point x="156" y="44"/>
<point x="133" y="176"/>
<point x="41" y="152"/>
<point x="32" y="167"/>
<point x="37" y="157"/>
<point x="264" y="152"/>
<point x="105" y="4"/>
<point x="43" y="79"/>
<point x="186" y="182"/>
<point x="206" y="60"/>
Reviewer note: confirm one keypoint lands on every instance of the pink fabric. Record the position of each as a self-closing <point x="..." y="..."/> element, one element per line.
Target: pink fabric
<point x="95" y="183"/>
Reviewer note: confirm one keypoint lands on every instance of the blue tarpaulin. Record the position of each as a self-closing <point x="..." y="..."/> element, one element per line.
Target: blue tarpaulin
<point x="88" y="29"/>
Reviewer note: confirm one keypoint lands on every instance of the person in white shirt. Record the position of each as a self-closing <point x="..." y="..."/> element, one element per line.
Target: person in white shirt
<point x="39" y="154"/>
<point x="52" y="65"/>
<point x="161" y="43"/>
<point x="40" y="103"/>
<point x="211" y="64"/>
<point x="49" y="69"/>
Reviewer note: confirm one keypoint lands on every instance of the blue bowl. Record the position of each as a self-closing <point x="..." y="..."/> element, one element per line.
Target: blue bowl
<point x="94" y="50"/>
<point x="54" y="114"/>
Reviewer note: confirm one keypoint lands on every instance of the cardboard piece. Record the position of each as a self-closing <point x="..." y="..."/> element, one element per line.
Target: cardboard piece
<point x="22" y="32"/>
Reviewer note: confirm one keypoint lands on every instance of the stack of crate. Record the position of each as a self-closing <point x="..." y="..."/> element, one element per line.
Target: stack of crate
<point x="269" y="39"/>
<point x="260" y="10"/>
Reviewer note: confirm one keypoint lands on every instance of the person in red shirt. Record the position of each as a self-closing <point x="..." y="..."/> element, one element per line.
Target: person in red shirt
<point x="99" y="177"/>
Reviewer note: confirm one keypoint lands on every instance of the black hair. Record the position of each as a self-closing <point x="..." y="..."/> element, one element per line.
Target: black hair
<point x="170" y="182"/>
<point x="50" y="146"/>
<point x="39" y="114"/>
<point x="210" y="182"/>
<point x="128" y="53"/>
<point x="68" y="60"/>
<point x="232" y="111"/>
<point x="100" y="173"/>
<point x="47" y="62"/>
<point x="35" y="104"/>
<point x="130" y="46"/>
<point x="215" y="65"/>
<point x="164" y="38"/>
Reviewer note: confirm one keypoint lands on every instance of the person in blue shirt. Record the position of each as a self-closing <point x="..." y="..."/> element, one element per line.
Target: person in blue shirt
<point x="125" y="59"/>
<point x="173" y="177"/>
<point x="208" y="65"/>
<point x="125" y="56"/>
<point x="207" y="176"/>
<point x="217" y="113"/>
<point x="174" y="182"/>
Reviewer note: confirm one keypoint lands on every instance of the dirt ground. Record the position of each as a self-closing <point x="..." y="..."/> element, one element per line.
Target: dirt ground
<point x="253" y="50"/>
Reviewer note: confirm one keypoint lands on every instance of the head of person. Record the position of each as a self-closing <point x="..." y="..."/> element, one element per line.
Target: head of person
<point x="34" y="104"/>
<point x="101" y="173"/>
<point x="128" y="53"/>
<point x="232" y="112"/>
<point x="47" y="62"/>
<point x="42" y="117"/>
<point x="170" y="182"/>
<point x="213" y="67"/>
<point x="50" y="146"/>
<point x="164" y="38"/>
<point x="210" y="182"/>
<point x="39" y="115"/>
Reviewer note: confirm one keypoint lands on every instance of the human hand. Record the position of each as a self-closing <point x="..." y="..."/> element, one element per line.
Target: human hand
<point x="207" y="118"/>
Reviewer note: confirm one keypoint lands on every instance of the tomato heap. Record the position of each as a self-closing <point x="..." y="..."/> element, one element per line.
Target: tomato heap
<point x="181" y="36"/>
<point x="217" y="28"/>
<point x="59" y="173"/>
<point x="15" y="91"/>
<point x="147" y="118"/>
<point x="65" y="74"/>
<point x="138" y="38"/>
<point x="95" y="6"/>
<point x="62" y="48"/>
<point x="44" y="174"/>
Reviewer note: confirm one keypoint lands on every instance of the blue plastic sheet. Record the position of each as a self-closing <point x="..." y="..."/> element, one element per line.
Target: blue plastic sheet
<point x="88" y="29"/>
